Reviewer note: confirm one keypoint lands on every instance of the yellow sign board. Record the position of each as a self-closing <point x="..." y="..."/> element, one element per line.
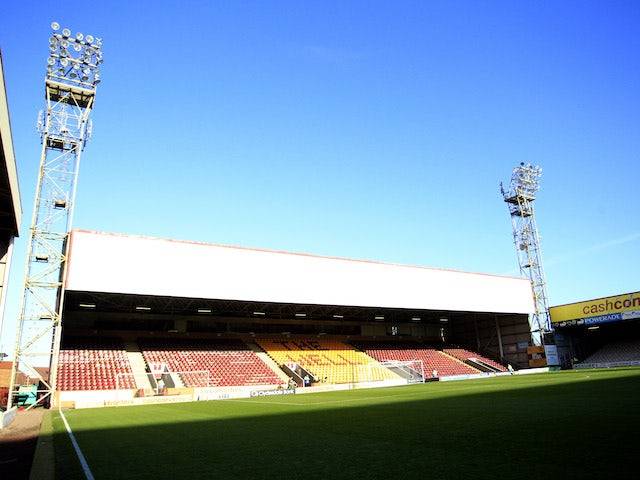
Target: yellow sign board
<point x="600" y="307"/>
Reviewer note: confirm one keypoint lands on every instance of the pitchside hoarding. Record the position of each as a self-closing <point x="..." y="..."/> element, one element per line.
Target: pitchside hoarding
<point x="600" y="310"/>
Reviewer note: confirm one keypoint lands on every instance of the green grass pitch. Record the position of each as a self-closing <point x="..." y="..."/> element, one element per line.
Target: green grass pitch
<point x="578" y="424"/>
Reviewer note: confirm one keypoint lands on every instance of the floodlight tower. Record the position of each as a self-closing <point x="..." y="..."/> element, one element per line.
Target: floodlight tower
<point x="520" y="197"/>
<point x="70" y="88"/>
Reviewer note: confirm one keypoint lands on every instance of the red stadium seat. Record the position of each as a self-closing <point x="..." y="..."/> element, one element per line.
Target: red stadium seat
<point x="462" y="354"/>
<point x="229" y="362"/>
<point x="432" y="358"/>
<point x="92" y="364"/>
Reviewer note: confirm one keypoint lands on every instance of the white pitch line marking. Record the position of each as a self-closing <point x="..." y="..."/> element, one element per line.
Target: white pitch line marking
<point x="76" y="447"/>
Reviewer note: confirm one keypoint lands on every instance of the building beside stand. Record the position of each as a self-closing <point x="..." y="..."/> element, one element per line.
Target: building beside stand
<point x="10" y="216"/>
<point x="10" y="207"/>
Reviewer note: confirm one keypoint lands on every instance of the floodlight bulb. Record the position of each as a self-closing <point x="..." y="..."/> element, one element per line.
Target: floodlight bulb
<point x="76" y="66"/>
<point x="66" y="32"/>
<point x="77" y="47"/>
<point x="52" y="48"/>
<point x="98" y="41"/>
<point x="51" y="61"/>
<point x="55" y="26"/>
<point x="64" y="62"/>
<point x="79" y="36"/>
<point x="89" y="39"/>
<point x="73" y="75"/>
<point x="64" y="43"/>
<point x="85" y="78"/>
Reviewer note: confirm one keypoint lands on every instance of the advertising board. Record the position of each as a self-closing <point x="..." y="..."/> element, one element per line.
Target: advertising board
<point x="597" y="311"/>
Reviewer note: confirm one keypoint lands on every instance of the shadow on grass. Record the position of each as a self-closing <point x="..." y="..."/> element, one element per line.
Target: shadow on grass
<point x="18" y="443"/>
<point x="582" y="429"/>
<point x="16" y="457"/>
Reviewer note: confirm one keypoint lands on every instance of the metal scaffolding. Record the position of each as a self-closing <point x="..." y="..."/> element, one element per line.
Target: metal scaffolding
<point x="70" y="87"/>
<point x="520" y="198"/>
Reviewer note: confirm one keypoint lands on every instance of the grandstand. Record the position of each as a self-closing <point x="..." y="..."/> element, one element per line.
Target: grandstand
<point x="108" y="363"/>
<point x="603" y="332"/>
<point x="614" y="354"/>
<point x="214" y="321"/>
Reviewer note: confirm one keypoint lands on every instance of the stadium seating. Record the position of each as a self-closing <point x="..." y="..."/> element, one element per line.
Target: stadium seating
<point x="462" y="354"/>
<point x="93" y="364"/>
<point x="432" y="358"/>
<point x="622" y="352"/>
<point x="229" y="362"/>
<point x="329" y="361"/>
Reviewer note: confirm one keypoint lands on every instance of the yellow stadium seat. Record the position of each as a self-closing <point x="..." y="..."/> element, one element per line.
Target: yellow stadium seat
<point x="329" y="361"/>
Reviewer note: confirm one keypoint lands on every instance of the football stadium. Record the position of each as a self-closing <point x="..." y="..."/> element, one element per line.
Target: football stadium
<point x="145" y="357"/>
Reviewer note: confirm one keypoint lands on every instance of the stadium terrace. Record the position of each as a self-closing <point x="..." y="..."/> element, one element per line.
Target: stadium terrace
<point x="602" y="332"/>
<point x="149" y="320"/>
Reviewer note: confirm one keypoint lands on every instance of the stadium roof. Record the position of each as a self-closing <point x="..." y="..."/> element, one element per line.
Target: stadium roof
<point x="10" y="206"/>
<point x="126" y="264"/>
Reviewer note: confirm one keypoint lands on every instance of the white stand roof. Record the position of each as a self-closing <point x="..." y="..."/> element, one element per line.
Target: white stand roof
<point x="125" y="264"/>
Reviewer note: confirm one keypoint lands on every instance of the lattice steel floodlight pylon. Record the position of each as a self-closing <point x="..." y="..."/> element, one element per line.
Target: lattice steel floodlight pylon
<point x="520" y="197"/>
<point x="73" y="73"/>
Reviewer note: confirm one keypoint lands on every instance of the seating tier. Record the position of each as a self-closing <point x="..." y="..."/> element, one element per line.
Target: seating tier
<point x="228" y="363"/>
<point x="93" y="364"/>
<point x="329" y="361"/>
<point x="463" y="354"/>
<point x="616" y="352"/>
<point x="432" y="358"/>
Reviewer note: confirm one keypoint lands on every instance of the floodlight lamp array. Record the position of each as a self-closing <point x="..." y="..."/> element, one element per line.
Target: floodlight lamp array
<point x="74" y="58"/>
<point x="525" y="179"/>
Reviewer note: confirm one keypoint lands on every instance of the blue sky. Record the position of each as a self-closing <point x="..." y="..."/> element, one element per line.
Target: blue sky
<point x="372" y="130"/>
